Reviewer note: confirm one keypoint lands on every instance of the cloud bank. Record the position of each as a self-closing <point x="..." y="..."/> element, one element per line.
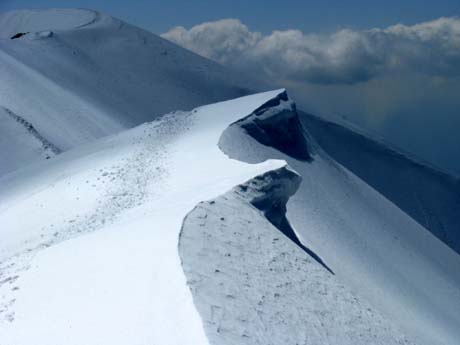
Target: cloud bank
<point x="343" y="57"/>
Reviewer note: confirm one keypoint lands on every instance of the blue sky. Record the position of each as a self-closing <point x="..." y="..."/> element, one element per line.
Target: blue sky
<point x="261" y="15"/>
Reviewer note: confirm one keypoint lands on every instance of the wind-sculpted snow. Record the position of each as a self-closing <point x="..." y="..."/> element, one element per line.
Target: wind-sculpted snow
<point x="368" y="242"/>
<point x="276" y="124"/>
<point x="269" y="194"/>
<point x="79" y="75"/>
<point x="252" y="285"/>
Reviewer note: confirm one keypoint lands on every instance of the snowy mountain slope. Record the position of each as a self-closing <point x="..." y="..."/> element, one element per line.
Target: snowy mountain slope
<point x="72" y="78"/>
<point x="368" y="242"/>
<point x="252" y="285"/>
<point x="75" y="77"/>
<point x="123" y="283"/>
<point x="89" y="251"/>
<point x="428" y="195"/>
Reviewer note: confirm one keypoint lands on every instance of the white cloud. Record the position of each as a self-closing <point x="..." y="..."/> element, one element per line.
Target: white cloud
<point x="344" y="57"/>
<point x="222" y="40"/>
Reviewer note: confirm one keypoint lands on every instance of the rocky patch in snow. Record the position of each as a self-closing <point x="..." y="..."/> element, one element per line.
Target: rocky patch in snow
<point x="276" y="124"/>
<point x="47" y="145"/>
<point x="21" y="142"/>
<point x="18" y="35"/>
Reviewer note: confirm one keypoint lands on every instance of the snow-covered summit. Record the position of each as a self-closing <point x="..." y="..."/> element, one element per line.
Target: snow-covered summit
<point x="77" y="75"/>
<point x="27" y="21"/>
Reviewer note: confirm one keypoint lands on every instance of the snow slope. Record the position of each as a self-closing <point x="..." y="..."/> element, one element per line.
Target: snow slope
<point x="75" y="77"/>
<point x="124" y="283"/>
<point x="89" y="239"/>
<point x="253" y="285"/>
<point x="428" y="195"/>
<point x="89" y="251"/>
<point x="378" y="250"/>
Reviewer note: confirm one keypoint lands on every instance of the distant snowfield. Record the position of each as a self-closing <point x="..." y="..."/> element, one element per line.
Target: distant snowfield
<point x="74" y="77"/>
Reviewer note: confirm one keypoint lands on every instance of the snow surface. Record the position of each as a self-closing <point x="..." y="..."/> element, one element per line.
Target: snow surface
<point x="75" y="78"/>
<point x="121" y="281"/>
<point x="427" y="194"/>
<point x="252" y="285"/>
<point x="124" y="283"/>
<point x="89" y="238"/>
<point x="379" y="251"/>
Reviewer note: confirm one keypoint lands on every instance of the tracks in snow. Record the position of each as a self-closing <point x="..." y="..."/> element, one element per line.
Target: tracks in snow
<point x="47" y="145"/>
<point x="122" y="186"/>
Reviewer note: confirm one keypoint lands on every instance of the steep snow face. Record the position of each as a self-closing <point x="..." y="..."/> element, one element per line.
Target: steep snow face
<point x="122" y="282"/>
<point x="74" y="77"/>
<point x="368" y="242"/>
<point x="428" y="195"/>
<point x="252" y="285"/>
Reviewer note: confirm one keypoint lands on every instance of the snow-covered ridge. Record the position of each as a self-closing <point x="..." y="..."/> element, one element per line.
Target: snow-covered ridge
<point x="366" y="240"/>
<point x="252" y="285"/>
<point x="90" y="239"/>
